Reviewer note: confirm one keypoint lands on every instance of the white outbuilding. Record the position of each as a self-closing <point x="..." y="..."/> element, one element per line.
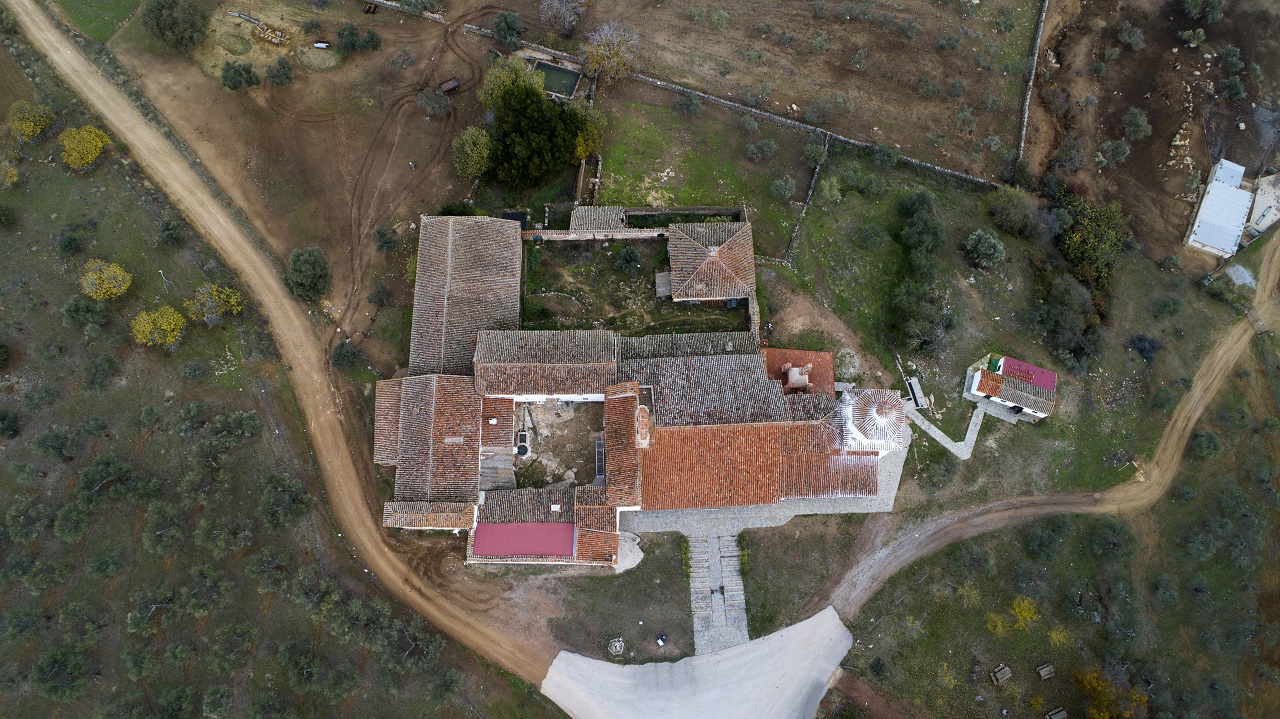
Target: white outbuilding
<point x="1223" y="212"/>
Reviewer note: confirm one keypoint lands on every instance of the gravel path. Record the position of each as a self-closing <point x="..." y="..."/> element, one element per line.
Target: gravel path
<point x="962" y="449"/>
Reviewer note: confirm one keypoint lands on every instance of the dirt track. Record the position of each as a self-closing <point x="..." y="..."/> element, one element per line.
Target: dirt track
<point x="1136" y="495"/>
<point x="525" y="653"/>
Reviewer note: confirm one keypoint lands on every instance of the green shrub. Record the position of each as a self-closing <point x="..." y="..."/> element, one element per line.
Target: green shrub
<point x="236" y="75"/>
<point x="783" y="188"/>
<point x="1130" y="35"/>
<point x="1231" y="88"/>
<point x="508" y="28"/>
<point x="1013" y="211"/>
<point x="689" y="104"/>
<point x="308" y="276"/>
<point x="762" y="150"/>
<point x="720" y="19"/>
<point x="859" y="60"/>
<point x="180" y="24"/>
<point x="749" y="124"/>
<point x="815" y="153"/>
<point x="1136" y="125"/>
<point x="1205" y="445"/>
<point x="280" y="73"/>
<point x="345" y="355"/>
<point x="1112" y="153"/>
<point x="984" y="249"/>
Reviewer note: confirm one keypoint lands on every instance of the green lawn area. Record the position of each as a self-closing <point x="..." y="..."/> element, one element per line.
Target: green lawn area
<point x="657" y="157"/>
<point x="637" y="605"/>
<point x="1176" y="612"/>
<point x="98" y="18"/>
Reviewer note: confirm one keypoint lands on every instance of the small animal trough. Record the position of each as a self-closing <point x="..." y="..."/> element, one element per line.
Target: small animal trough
<point x="1045" y="671"/>
<point x="617" y="647"/>
<point x="320" y="44"/>
<point x="449" y="85"/>
<point x="1058" y="713"/>
<point x="1001" y="674"/>
<point x="370" y="9"/>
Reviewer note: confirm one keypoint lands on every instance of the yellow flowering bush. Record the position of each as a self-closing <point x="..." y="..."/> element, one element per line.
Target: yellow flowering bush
<point x="162" y="327"/>
<point x="212" y="302"/>
<point x="101" y="280"/>
<point x="8" y="174"/>
<point x="29" y="120"/>
<point x="82" y="145"/>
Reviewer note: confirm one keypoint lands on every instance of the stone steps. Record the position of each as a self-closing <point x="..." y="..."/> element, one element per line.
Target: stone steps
<point x="700" y="575"/>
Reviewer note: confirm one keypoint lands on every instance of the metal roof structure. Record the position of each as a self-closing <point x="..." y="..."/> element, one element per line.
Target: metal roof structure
<point x="1266" y="205"/>
<point x="1223" y="212"/>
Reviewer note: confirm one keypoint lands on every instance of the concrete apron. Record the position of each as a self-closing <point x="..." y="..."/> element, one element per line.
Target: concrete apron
<point x="781" y="676"/>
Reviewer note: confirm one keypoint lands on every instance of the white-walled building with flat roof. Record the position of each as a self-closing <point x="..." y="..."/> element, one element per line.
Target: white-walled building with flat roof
<point x="1223" y="212"/>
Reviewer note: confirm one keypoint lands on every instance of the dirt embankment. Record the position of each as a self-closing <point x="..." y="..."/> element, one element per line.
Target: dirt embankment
<point x="1177" y="86"/>
<point x="475" y="613"/>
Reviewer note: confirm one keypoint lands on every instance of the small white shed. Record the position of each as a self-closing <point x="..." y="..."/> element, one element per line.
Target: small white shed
<point x="1223" y="211"/>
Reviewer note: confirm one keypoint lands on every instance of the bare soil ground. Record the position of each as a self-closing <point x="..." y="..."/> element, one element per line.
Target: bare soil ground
<point x="325" y="160"/>
<point x="1175" y="85"/>
<point x="881" y="102"/>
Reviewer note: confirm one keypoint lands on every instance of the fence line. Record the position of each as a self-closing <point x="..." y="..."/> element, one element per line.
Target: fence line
<point x="1031" y="79"/>
<point x="813" y="182"/>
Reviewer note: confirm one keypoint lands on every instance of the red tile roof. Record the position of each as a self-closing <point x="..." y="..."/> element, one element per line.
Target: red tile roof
<point x="596" y="547"/>
<point x="711" y="261"/>
<point x="521" y="539"/>
<point x="744" y="464"/>
<point x="468" y="279"/>
<point x="621" y="458"/>
<point x="822" y="377"/>
<point x="386" y="422"/>
<point x="1029" y="373"/>
<point x="1016" y="391"/>
<point x="497" y="417"/>
<point x="439" y="440"/>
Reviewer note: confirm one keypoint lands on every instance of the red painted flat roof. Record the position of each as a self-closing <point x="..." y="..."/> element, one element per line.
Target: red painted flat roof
<point x="1036" y="376"/>
<point x="532" y="539"/>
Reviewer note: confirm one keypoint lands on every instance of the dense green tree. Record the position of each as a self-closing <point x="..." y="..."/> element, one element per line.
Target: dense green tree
<point x="180" y="24"/>
<point x="508" y="28"/>
<point x="80" y="311"/>
<point x="1136" y="125"/>
<point x="380" y="295"/>
<point x="280" y="73"/>
<point x="57" y="443"/>
<point x="762" y="150"/>
<point x="283" y="501"/>
<point x="60" y="673"/>
<point x="345" y="355"/>
<point x="171" y="233"/>
<point x="10" y="423"/>
<point x="984" y="249"/>
<point x="534" y="137"/>
<point x="236" y="75"/>
<point x="385" y="238"/>
<point x="308" y="276"/>
<point x="270" y="567"/>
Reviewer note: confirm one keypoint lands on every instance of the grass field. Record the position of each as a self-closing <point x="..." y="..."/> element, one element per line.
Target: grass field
<point x="98" y="18"/>
<point x="1175" y="611"/>
<point x="656" y="157"/>
<point x="637" y="605"/>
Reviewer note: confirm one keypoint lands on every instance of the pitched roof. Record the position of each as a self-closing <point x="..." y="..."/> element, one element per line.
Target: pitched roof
<point x="596" y="547"/>
<point x="523" y="539"/>
<point x="745" y="464"/>
<point x="621" y="456"/>
<point x="871" y="420"/>
<point x="386" y="422"/>
<point x="468" y="279"/>
<point x="552" y="362"/>
<point x="603" y="217"/>
<point x="1027" y="372"/>
<point x="692" y="344"/>
<point x="711" y="261"/>
<point x="528" y="505"/>
<point x="722" y="389"/>
<point x="439" y="458"/>
<point x="1016" y="391"/>
<point x="497" y="422"/>
<point x="1223" y="211"/>
<point x="428" y="515"/>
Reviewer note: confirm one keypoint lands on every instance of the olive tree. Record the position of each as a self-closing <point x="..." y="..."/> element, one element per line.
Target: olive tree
<point x="984" y="249"/>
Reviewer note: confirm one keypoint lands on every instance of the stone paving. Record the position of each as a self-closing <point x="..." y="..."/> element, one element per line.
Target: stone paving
<point x="716" y="594"/>
<point x="962" y="449"/>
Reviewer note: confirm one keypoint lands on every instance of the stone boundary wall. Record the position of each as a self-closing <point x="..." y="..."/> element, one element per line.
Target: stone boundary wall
<point x="1031" y="79"/>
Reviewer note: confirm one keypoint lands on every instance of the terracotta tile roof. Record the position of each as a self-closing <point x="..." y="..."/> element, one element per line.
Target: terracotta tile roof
<point x="621" y="457"/>
<point x="599" y="518"/>
<point x="822" y="376"/>
<point x="723" y="389"/>
<point x="554" y="362"/>
<point x="1029" y="373"/>
<point x="528" y="505"/>
<point x="1020" y="393"/>
<point x="711" y="261"/>
<point x="596" y="547"/>
<point x="809" y="407"/>
<point x="428" y="515"/>
<point x="589" y="494"/>
<point x="603" y="217"/>
<point x="386" y="422"/>
<point x="468" y="279"/>
<point x="693" y="344"/>
<point x="439" y="457"/>
<point x="497" y="422"/>
<point x="744" y="464"/>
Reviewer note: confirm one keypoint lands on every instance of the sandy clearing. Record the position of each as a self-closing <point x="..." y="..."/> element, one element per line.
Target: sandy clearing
<point x="340" y="460"/>
<point x="781" y="676"/>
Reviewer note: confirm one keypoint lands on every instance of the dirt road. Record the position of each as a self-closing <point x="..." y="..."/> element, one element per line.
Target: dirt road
<point x="340" y="460"/>
<point x="1138" y="494"/>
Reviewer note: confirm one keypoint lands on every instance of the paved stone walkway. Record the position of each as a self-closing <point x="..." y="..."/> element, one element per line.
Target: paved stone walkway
<point x="716" y="594"/>
<point x="963" y="449"/>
